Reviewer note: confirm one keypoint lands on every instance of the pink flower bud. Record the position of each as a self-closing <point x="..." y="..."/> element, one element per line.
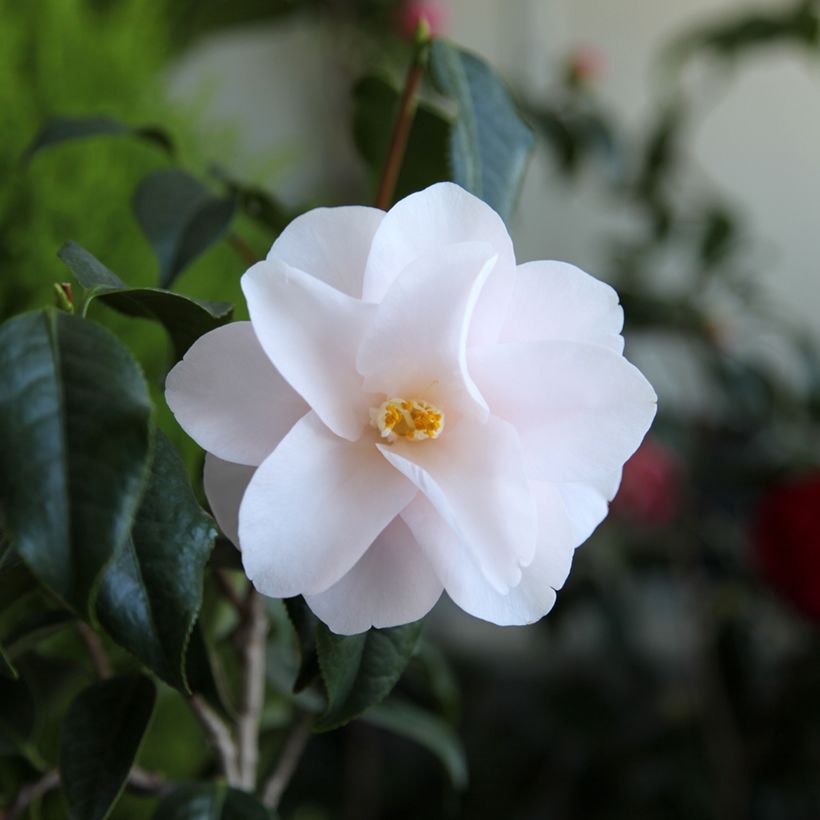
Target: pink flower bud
<point x="435" y="12"/>
<point x="650" y="490"/>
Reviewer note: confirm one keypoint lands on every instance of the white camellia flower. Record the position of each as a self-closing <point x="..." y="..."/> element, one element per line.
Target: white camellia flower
<point x="408" y="411"/>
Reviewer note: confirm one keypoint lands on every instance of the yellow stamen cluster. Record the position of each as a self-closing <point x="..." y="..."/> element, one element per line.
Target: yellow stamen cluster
<point x="413" y="419"/>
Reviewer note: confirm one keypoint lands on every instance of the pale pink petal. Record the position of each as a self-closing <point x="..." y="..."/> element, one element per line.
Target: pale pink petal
<point x="225" y="484"/>
<point x="416" y="346"/>
<point x="474" y="475"/>
<point x="331" y="244"/>
<point x="468" y="587"/>
<point x="441" y="215"/>
<point x="581" y="410"/>
<point x="229" y="398"/>
<point x="313" y="507"/>
<point x="586" y="507"/>
<point x="311" y="332"/>
<point x="555" y="300"/>
<point x="392" y="584"/>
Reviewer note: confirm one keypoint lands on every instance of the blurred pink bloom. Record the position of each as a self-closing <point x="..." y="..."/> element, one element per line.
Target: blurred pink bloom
<point x="786" y="539"/>
<point x="586" y="64"/>
<point x="651" y="485"/>
<point x="435" y="12"/>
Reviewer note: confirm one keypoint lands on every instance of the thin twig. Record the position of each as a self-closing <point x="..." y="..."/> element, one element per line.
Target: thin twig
<point x="140" y="781"/>
<point x="242" y="248"/>
<point x="32" y="792"/>
<point x="252" y="701"/>
<point x="286" y="766"/>
<point x="219" y="736"/>
<point x="404" y="120"/>
<point x="96" y="651"/>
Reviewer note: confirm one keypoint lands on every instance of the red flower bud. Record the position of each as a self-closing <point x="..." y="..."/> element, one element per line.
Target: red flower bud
<point x="650" y="490"/>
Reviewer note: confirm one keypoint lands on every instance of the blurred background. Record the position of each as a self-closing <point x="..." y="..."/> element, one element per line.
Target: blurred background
<point x="677" y="158"/>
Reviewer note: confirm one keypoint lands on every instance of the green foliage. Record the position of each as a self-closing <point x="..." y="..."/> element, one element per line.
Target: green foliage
<point x="7" y="669"/>
<point x="74" y="421"/>
<point x="184" y="317"/>
<point x="17" y="716"/>
<point x="102" y="733"/>
<point x="65" y="129"/>
<point x="359" y="671"/>
<point x="212" y="801"/>
<point x="150" y="594"/>
<point x="489" y="142"/>
<point x="376" y="105"/>
<point x="180" y="217"/>
<point x="426" y="729"/>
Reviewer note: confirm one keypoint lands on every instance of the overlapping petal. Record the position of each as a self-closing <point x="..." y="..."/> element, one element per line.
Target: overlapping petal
<point x="416" y="344"/>
<point x="312" y="332"/>
<point x="555" y="300"/>
<point x="228" y="397"/>
<point x="225" y="484"/>
<point x="331" y="244"/>
<point x="313" y="508"/>
<point x="534" y="595"/>
<point x="393" y="583"/>
<point x="581" y="410"/>
<point x="441" y="215"/>
<point x="475" y="477"/>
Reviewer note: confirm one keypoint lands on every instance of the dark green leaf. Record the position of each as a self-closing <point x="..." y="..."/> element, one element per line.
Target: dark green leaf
<point x="150" y="595"/>
<point x="101" y="735"/>
<point x="180" y="217"/>
<point x="489" y="142"/>
<point x="376" y="104"/>
<point x="426" y="729"/>
<point x="305" y="623"/>
<point x="185" y="318"/>
<point x="359" y="671"/>
<point x="15" y="578"/>
<point x="7" y="669"/>
<point x="75" y="438"/>
<point x="64" y="129"/>
<point x="256" y="202"/>
<point x="34" y="628"/>
<point x="16" y="715"/>
<point x="211" y="801"/>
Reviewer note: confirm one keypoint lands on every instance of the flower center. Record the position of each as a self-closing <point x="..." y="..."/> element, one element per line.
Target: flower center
<point x="412" y="419"/>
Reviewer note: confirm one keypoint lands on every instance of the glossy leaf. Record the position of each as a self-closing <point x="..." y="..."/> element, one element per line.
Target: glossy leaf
<point x="150" y="595"/>
<point x="211" y="801"/>
<point x="101" y="735"/>
<point x="7" y="669"/>
<point x="65" y="129"/>
<point x="489" y="142"/>
<point x="180" y="217"/>
<point x="305" y="624"/>
<point x="184" y="317"/>
<point x="75" y="438"/>
<point x="376" y="105"/>
<point x="427" y="730"/>
<point x="360" y="671"/>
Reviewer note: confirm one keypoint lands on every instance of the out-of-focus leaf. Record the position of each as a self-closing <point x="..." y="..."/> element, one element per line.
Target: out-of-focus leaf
<point x="256" y="203"/>
<point x="718" y="237"/>
<point x="360" y="671"/>
<point x="35" y="628"/>
<point x="15" y="578"/>
<point x="150" y="594"/>
<point x="17" y="714"/>
<point x="376" y="105"/>
<point x="75" y="439"/>
<point x="305" y="623"/>
<point x="489" y="142"/>
<point x="64" y="129"/>
<point x="180" y="217"/>
<point x="211" y="801"/>
<point x="184" y="317"/>
<point x="101" y="735"/>
<point x="7" y="669"/>
<point x="427" y="730"/>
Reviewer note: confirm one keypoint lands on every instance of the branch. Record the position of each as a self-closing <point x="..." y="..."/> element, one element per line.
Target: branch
<point x="219" y="736"/>
<point x="242" y="248"/>
<point x="253" y="635"/>
<point x="288" y="760"/>
<point x="404" y="120"/>
<point x="96" y="651"/>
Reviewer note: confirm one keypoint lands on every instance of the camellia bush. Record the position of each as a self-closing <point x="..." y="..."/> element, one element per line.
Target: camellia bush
<point x="215" y="562"/>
